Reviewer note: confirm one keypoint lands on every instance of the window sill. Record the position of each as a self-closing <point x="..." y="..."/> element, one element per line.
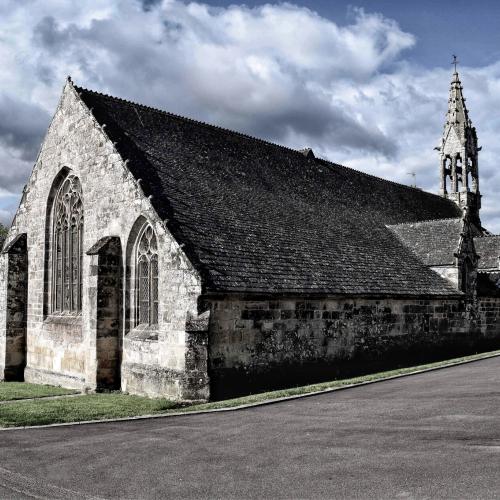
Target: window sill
<point x="64" y="319"/>
<point x="144" y="333"/>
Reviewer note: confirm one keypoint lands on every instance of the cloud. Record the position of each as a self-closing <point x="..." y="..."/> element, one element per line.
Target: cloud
<point x="48" y="35"/>
<point x="261" y="70"/>
<point x="277" y="71"/>
<point x="149" y="4"/>
<point x="21" y="127"/>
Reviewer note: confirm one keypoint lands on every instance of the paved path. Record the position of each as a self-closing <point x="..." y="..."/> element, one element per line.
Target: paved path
<point x="433" y="435"/>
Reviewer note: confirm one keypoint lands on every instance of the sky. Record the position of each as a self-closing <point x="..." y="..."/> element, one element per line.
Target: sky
<point x="363" y="83"/>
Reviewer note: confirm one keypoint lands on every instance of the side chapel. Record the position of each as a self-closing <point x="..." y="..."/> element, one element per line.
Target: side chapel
<point x="163" y="256"/>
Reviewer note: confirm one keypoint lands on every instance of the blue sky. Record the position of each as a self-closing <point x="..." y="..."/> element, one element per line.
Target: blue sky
<point x="363" y="83"/>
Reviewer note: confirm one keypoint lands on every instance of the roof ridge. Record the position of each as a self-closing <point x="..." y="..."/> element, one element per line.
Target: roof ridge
<point x="487" y="236"/>
<point x="389" y="181"/>
<point x="192" y="120"/>
<point x="251" y="137"/>
<point x="424" y="221"/>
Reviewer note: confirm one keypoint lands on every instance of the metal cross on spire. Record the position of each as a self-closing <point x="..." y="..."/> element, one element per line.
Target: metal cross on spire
<point x="455" y="62"/>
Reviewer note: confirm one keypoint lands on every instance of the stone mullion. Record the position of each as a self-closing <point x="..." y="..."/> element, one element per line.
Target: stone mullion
<point x="454" y="174"/>
<point x="150" y="284"/>
<point x="80" y="257"/>
<point x="154" y="272"/>
<point x="63" y="266"/>
<point x="443" y="176"/>
<point x="475" y="174"/>
<point x="70" y="267"/>
<point x="146" y="281"/>
<point x="67" y="273"/>
<point x="143" y="280"/>
<point x="55" y="264"/>
<point x="149" y="291"/>
<point x="465" y="168"/>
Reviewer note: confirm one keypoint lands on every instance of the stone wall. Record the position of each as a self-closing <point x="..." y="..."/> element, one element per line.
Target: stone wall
<point x="107" y="274"/>
<point x="61" y="349"/>
<point x="265" y="343"/>
<point x="489" y="316"/>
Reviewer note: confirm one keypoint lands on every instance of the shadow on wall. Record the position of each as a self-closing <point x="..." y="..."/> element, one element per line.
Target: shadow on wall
<point x="228" y="383"/>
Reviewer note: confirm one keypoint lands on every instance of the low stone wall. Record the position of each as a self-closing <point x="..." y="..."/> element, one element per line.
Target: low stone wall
<point x="489" y="316"/>
<point x="142" y="374"/>
<point x="138" y="355"/>
<point x="266" y="344"/>
<point x="58" y="355"/>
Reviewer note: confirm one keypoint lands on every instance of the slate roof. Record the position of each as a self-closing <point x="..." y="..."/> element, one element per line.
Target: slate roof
<point x="434" y="241"/>
<point x="257" y="217"/>
<point x="488" y="248"/>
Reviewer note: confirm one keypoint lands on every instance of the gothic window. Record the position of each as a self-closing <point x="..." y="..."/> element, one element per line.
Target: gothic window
<point x="67" y="248"/>
<point x="147" y="278"/>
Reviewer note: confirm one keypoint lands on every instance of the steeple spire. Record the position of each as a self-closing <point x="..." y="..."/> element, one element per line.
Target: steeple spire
<point x="459" y="153"/>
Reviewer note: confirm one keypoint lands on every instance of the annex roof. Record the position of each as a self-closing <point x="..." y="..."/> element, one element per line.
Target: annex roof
<point x="434" y="242"/>
<point x="258" y="217"/>
<point x="488" y="249"/>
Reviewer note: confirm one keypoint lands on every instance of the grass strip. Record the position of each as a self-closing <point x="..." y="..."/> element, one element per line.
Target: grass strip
<point x="117" y="405"/>
<point x="10" y="391"/>
<point x="80" y="408"/>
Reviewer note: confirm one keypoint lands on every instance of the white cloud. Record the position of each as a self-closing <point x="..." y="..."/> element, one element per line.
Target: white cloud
<point x="280" y="72"/>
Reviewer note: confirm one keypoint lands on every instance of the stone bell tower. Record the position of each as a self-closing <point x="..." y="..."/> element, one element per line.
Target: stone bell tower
<point x="459" y="154"/>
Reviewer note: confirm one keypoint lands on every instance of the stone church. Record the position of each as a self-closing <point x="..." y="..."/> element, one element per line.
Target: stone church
<point x="168" y="257"/>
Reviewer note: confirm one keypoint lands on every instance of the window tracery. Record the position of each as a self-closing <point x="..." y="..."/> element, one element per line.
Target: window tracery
<point x="67" y="251"/>
<point x="147" y="278"/>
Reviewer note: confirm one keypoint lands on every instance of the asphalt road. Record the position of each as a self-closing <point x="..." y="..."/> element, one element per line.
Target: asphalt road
<point x="433" y="435"/>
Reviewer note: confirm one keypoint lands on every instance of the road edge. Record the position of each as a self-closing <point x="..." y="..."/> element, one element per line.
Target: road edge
<point x="252" y="405"/>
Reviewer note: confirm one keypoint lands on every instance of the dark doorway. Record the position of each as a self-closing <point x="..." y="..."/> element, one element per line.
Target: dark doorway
<point x="16" y="308"/>
<point x="109" y="312"/>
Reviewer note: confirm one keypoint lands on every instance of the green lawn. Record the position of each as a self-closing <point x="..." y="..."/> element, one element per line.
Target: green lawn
<point x="80" y="408"/>
<point x="117" y="405"/>
<point x="21" y="390"/>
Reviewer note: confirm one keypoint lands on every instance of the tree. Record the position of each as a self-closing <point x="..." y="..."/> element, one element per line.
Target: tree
<point x="3" y="233"/>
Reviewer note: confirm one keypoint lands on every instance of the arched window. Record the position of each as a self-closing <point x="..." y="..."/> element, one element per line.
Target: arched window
<point x="67" y="248"/>
<point x="147" y="278"/>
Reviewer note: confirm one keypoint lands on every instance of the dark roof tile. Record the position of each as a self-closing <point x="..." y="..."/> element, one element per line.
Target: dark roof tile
<point x="488" y="248"/>
<point x="258" y="217"/>
<point x="434" y="242"/>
